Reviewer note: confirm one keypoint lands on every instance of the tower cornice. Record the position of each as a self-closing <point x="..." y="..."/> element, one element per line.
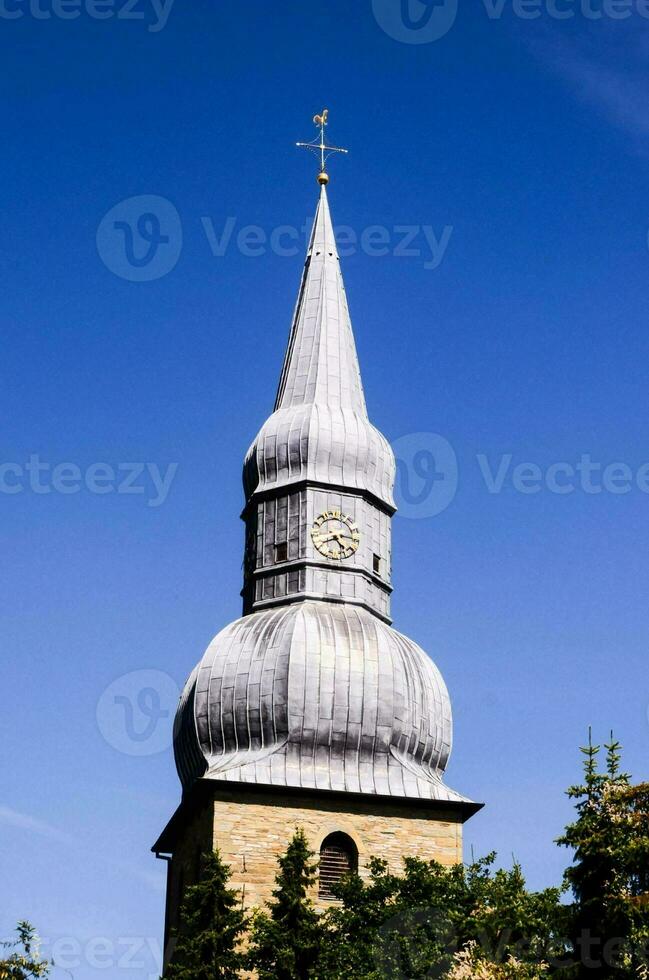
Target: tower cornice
<point x="296" y="485"/>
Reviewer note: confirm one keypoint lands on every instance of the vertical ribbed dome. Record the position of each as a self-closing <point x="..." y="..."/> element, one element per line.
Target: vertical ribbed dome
<point x="324" y="445"/>
<point x="321" y="696"/>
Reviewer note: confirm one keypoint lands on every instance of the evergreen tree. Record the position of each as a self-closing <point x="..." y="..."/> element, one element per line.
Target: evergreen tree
<point x="433" y="919"/>
<point x="212" y="924"/>
<point x="25" y="961"/>
<point x="285" y="940"/>
<point x="610" y="872"/>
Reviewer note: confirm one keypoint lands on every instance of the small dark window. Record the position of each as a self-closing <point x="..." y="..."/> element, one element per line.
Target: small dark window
<point x="281" y="551"/>
<point x="377" y="564"/>
<point x="338" y="856"/>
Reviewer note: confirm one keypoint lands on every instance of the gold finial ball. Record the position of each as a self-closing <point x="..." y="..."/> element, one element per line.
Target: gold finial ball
<point x="323" y="179"/>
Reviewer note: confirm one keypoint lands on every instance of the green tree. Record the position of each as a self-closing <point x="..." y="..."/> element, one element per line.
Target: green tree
<point x="414" y="925"/>
<point x="609" y="876"/>
<point x="286" y="939"/>
<point x="25" y="960"/>
<point x="212" y="925"/>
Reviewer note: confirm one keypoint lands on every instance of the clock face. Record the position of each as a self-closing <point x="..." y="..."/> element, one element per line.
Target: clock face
<point x="335" y="535"/>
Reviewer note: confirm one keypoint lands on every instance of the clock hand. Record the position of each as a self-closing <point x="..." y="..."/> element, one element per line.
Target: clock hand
<point x="342" y="537"/>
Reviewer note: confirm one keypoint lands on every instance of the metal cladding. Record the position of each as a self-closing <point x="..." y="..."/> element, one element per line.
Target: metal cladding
<point x="323" y="444"/>
<point x="312" y="688"/>
<point x="320" y="696"/>
<point x="320" y="430"/>
<point x="321" y="364"/>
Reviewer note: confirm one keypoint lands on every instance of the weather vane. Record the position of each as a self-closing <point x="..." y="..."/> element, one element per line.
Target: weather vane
<point x="319" y="146"/>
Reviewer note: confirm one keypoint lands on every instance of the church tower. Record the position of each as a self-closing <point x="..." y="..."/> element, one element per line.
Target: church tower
<point x="311" y="710"/>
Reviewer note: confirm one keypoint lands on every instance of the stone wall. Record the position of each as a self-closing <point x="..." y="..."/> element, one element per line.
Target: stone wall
<point x="252" y="831"/>
<point x="252" y="828"/>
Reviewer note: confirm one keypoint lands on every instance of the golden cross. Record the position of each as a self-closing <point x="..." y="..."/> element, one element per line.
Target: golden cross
<point x="319" y="145"/>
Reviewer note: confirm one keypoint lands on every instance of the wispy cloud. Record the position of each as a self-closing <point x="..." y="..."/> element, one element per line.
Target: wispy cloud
<point x="34" y="825"/>
<point x="606" y="67"/>
<point x="25" y="822"/>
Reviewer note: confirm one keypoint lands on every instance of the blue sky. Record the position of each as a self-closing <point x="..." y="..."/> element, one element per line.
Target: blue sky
<point x="518" y="148"/>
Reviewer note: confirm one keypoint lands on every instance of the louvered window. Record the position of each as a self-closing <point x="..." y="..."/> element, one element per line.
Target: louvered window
<point x="338" y="855"/>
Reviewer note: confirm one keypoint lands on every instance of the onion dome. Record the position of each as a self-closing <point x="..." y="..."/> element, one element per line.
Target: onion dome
<point x="321" y="696"/>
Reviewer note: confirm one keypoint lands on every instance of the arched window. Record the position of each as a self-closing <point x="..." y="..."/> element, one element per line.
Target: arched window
<point x="338" y="855"/>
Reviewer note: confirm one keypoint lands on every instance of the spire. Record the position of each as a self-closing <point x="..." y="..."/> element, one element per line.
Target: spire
<point x="321" y="364"/>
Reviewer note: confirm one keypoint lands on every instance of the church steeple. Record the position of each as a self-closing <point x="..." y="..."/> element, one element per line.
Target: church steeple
<point x="319" y="476"/>
<point x="311" y="709"/>
<point x="321" y="364"/>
